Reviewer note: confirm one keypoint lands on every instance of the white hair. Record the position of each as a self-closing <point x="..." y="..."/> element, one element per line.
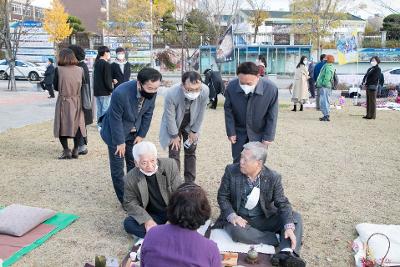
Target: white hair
<point x="258" y="149"/>
<point x="143" y="148"/>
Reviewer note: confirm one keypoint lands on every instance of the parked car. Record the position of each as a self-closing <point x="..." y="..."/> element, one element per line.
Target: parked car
<point x="23" y="70"/>
<point x="392" y="76"/>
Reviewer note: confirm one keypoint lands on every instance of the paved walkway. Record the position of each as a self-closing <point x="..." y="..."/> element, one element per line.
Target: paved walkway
<point x="30" y="105"/>
<point x="24" y="107"/>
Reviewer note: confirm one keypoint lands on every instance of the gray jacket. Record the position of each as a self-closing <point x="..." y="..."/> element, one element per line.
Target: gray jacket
<point x="272" y="197"/>
<point x="136" y="193"/>
<point x="255" y="116"/>
<point x="174" y="111"/>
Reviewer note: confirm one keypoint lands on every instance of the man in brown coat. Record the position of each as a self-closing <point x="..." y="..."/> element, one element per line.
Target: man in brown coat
<point x="148" y="188"/>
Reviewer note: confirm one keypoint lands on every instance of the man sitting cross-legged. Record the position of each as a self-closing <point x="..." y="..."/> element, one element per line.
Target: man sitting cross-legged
<point x="254" y="207"/>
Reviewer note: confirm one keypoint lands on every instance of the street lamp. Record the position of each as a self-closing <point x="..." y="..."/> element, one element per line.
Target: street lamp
<point x="180" y="26"/>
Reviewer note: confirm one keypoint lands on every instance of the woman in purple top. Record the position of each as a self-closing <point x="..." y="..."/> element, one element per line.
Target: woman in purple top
<point x="178" y="244"/>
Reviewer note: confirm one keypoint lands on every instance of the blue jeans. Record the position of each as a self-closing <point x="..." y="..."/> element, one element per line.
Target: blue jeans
<point x="102" y="103"/>
<point x="117" y="167"/>
<point x="134" y="228"/>
<point x="324" y="102"/>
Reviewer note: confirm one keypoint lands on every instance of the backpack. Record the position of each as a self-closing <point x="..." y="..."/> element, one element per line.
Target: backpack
<point x="334" y="81"/>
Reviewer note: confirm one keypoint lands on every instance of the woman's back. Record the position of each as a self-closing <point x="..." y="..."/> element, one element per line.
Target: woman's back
<point x="172" y="245"/>
<point x="69" y="80"/>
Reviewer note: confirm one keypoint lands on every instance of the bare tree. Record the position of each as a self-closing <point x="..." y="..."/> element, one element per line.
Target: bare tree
<point x="11" y="39"/>
<point x="316" y="18"/>
<point x="218" y="10"/>
<point x="258" y="16"/>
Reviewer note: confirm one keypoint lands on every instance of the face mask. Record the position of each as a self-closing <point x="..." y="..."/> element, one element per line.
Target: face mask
<point x="373" y="63"/>
<point x="252" y="199"/>
<point x="149" y="173"/>
<point x="247" y="88"/>
<point x="305" y="62"/>
<point x="121" y="56"/>
<point x="192" y="95"/>
<point x="146" y="94"/>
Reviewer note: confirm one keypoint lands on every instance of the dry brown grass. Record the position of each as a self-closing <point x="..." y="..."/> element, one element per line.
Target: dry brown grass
<point x="336" y="174"/>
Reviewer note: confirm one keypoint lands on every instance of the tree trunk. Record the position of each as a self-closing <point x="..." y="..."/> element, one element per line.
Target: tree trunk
<point x="255" y="34"/>
<point x="12" y="85"/>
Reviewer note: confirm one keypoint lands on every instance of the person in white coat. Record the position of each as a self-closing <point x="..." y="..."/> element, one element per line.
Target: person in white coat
<point x="300" y="84"/>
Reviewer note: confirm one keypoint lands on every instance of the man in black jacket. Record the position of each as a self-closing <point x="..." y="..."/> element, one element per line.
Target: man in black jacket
<point x="120" y="69"/>
<point x="47" y="83"/>
<point x="254" y="207"/>
<point x="102" y="81"/>
<point x="251" y="109"/>
<point x="215" y="83"/>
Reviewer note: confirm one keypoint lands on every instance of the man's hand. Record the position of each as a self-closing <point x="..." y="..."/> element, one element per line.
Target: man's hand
<point x="138" y="139"/>
<point x="232" y="139"/>
<point x="289" y="233"/>
<point x="239" y="221"/>
<point x="175" y="143"/>
<point x="193" y="137"/>
<point x="149" y="224"/>
<point x="120" y="150"/>
<point x="115" y="81"/>
<point x="267" y="143"/>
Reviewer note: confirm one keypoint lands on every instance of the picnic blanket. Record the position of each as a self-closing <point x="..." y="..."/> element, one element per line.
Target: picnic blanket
<point x="13" y="248"/>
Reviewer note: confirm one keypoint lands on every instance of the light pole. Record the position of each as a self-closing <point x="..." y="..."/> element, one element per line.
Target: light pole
<point x="151" y="33"/>
<point x="181" y="28"/>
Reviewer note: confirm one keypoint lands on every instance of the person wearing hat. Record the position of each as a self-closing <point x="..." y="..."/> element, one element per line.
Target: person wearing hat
<point x="213" y="80"/>
<point x="47" y="83"/>
<point x="120" y="69"/>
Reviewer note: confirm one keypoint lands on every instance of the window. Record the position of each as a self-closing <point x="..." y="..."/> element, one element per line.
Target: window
<point x="28" y="11"/>
<point x="20" y="64"/>
<point x="16" y="9"/>
<point x="396" y="72"/>
<point x="3" y="63"/>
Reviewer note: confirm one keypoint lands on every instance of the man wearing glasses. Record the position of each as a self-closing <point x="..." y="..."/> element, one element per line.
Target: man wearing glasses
<point x="183" y="115"/>
<point x="127" y="122"/>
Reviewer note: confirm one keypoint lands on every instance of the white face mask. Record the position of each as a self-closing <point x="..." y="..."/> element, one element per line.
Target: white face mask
<point x="192" y="95"/>
<point x="305" y="62"/>
<point x="247" y="88"/>
<point x="373" y="63"/>
<point x="149" y="173"/>
<point x="121" y="56"/>
<point x="253" y="198"/>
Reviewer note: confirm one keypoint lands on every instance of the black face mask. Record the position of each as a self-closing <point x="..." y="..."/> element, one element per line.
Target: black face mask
<point x="146" y="94"/>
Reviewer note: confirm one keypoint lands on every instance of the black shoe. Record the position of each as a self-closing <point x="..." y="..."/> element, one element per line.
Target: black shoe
<point x="322" y="118"/>
<point x="301" y="107"/>
<point x="66" y="154"/>
<point x="75" y="153"/>
<point x="294" y="108"/>
<point x="367" y="118"/>
<point x="287" y="259"/>
<point x="51" y="96"/>
<point x="327" y="118"/>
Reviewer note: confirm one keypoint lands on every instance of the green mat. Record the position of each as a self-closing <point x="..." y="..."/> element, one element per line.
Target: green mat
<point x="60" y="221"/>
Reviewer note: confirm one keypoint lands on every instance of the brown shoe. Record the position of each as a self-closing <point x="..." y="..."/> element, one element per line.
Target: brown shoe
<point x="66" y="154"/>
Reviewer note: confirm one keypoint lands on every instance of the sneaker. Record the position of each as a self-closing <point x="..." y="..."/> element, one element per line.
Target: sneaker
<point x="287" y="259"/>
<point x="82" y="150"/>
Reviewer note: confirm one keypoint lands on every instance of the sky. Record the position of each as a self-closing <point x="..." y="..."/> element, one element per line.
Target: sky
<point x="372" y="6"/>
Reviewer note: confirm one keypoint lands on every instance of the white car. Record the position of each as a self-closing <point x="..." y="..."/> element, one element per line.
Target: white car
<point x="392" y="76"/>
<point x="23" y="70"/>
